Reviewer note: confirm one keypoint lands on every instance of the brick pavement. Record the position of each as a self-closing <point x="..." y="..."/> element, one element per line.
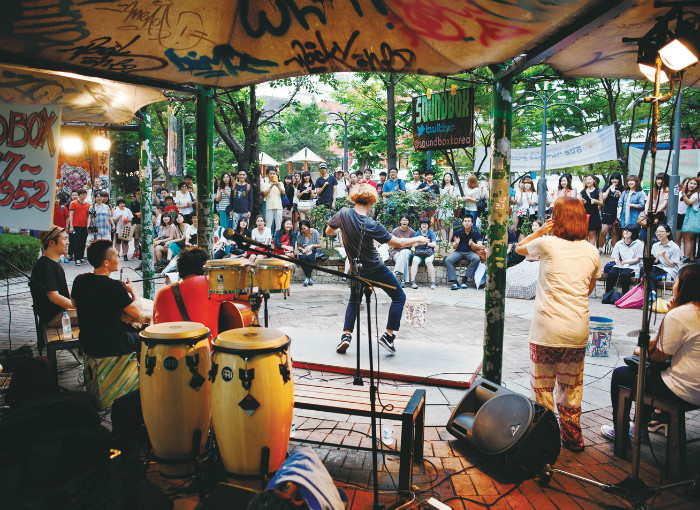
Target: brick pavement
<point x="453" y="470"/>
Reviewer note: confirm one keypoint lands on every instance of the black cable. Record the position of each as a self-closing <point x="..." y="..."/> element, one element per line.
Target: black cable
<point x="9" y="315"/>
<point x="481" y="503"/>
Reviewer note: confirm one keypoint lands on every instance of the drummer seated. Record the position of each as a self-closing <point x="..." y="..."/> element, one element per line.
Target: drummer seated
<point x="100" y="301"/>
<point x="194" y="289"/>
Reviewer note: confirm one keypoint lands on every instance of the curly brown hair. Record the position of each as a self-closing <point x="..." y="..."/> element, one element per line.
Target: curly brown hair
<point x="364" y="194"/>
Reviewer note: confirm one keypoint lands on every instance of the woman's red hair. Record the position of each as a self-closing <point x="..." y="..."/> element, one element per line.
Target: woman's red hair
<point x="570" y="220"/>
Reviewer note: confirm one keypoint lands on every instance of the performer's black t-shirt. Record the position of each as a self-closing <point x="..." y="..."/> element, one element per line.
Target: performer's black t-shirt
<point x="350" y="223"/>
<point x="48" y="276"/>
<point x="100" y="301"/>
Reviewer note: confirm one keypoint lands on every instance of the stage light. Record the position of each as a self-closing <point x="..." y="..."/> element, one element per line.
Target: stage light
<point x="649" y="72"/>
<point x="646" y="60"/>
<point x="683" y="50"/>
<point x="101" y="143"/>
<point x="72" y="145"/>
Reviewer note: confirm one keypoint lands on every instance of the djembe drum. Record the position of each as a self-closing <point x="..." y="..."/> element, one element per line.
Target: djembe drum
<point x="252" y="400"/>
<point x="175" y="393"/>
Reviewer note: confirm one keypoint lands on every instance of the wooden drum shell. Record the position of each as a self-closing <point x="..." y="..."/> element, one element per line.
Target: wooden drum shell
<point x="273" y="276"/>
<point x="172" y="410"/>
<point x="229" y="276"/>
<point x="241" y="437"/>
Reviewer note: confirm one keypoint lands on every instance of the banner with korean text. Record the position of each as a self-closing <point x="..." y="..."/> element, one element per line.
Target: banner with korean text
<point x="29" y="137"/>
<point x="583" y="150"/>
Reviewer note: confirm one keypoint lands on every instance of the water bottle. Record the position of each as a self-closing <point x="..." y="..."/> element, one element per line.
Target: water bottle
<point x="388" y="435"/>
<point x="65" y="321"/>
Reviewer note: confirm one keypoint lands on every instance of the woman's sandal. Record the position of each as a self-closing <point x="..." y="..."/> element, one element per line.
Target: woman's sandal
<point x="659" y="422"/>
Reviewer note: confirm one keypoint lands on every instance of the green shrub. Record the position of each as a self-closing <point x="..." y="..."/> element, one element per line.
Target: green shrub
<point x="22" y="250"/>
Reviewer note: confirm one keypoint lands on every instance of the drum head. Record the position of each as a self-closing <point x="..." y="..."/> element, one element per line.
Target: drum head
<point x="222" y="263"/>
<point x="174" y="332"/>
<point x="251" y="339"/>
<point x="273" y="263"/>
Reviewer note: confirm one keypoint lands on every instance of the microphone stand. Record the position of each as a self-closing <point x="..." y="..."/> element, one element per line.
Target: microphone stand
<point x="362" y="286"/>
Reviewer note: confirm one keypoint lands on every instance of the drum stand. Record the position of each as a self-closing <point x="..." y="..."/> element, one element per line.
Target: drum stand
<point x="364" y="287"/>
<point x="256" y="299"/>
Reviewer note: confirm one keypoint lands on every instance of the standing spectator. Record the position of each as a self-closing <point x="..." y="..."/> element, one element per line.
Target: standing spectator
<point x="590" y="196"/>
<point x="260" y="233"/>
<point x="429" y="186"/>
<point x="100" y="222"/>
<point x="657" y="202"/>
<point x="135" y="207"/>
<point x="691" y="223"/>
<point x="306" y="192"/>
<point x="631" y="201"/>
<point x="402" y="256"/>
<point x="77" y="224"/>
<point x="291" y="193"/>
<point x="569" y="268"/>
<point x="368" y="178"/>
<point x="565" y="188"/>
<point x="242" y="202"/>
<point x="325" y="187"/>
<point x="463" y="242"/>
<point x="412" y="186"/>
<point x="185" y="200"/>
<point x="170" y="207"/>
<point x="449" y="194"/>
<point x="121" y="216"/>
<point x="424" y="253"/>
<point x="273" y="191"/>
<point x="288" y="199"/>
<point x="341" y="189"/>
<point x="610" y="197"/>
<point x="223" y="197"/>
<point x="380" y="184"/>
<point x="352" y="180"/>
<point x="61" y="213"/>
<point x="667" y="258"/>
<point x="472" y="195"/>
<point x="626" y="260"/>
<point x="525" y="202"/>
<point x="308" y="241"/>
<point x="682" y="208"/>
<point x="393" y="186"/>
<point x="191" y="187"/>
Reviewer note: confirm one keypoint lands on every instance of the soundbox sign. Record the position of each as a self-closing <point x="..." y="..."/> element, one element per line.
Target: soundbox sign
<point x="444" y="121"/>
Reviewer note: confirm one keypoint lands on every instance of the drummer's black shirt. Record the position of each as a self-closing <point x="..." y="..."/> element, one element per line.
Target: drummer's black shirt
<point x="99" y="301"/>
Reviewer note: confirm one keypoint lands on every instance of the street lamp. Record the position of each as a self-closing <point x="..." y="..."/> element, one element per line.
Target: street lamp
<point x="545" y="97"/>
<point x="345" y="119"/>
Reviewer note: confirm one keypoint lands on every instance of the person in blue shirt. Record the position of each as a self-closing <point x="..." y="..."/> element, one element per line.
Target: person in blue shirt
<point x="424" y="253"/>
<point x="631" y="202"/>
<point x="463" y="241"/>
<point x="392" y="186"/>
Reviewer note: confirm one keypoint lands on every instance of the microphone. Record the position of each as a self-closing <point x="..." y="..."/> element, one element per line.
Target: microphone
<point x="242" y="240"/>
<point x="228" y="233"/>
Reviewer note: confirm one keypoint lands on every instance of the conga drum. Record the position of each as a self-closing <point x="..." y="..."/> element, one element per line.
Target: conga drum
<point x="252" y="395"/>
<point x="175" y="393"/>
<point x="228" y="276"/>
<point x="272" y="275"/>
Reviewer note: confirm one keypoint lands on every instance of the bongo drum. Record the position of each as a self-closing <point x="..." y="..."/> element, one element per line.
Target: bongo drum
<point x="175" y="393"/>
<point x="228" y="276"/>
<point x="252" y="396"/>
<point x="272" y="276"/>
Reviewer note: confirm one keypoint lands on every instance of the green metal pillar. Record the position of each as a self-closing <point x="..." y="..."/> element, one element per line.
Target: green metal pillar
<point x="501" y="114"/>
<point x="205" y="170"/>
<point x="146" y="183"/>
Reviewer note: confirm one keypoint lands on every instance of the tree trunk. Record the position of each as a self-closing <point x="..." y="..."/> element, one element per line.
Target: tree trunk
<point x="390" y="123"/>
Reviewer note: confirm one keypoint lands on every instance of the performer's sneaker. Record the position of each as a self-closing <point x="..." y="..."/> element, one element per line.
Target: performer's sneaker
<point x="387" y="341"/>
<point x="344" y="343"/>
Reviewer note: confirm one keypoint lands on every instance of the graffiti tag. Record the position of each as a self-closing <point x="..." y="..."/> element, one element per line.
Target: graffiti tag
<point x="319" y="56"/>
<point x="113" y="56"/>
<point x="53" y="23"/>
<point x="284" y="11"/>
<point x="234" y="62"/>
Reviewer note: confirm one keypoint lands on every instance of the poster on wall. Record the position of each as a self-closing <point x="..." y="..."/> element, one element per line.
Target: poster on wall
<point x="445" y="120"/>
<point x="29" y="136"/>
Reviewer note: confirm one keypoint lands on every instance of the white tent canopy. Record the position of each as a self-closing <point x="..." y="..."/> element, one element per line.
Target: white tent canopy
<point x="305" y="154"/>
<point x="266" y="160"/>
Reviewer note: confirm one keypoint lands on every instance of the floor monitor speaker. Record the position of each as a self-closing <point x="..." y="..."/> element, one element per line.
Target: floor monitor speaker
<point x="523" y="434"/>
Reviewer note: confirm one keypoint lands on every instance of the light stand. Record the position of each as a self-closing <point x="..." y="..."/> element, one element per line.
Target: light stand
<point x="363" y="287"/>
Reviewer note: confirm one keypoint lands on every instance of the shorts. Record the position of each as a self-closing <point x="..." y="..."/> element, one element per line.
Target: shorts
<point x="137" y="231"/>
<point x="681" y="218"/>
<point x="608" y="218"/>
<point x="420" y="260"/>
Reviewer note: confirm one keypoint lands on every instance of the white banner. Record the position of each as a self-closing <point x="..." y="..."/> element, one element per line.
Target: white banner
<point x="28" y="158"/>
<point x="583" y="150"/>
<point x="688" y="163"/>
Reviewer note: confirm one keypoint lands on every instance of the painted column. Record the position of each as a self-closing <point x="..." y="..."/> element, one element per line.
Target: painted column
<point x="146" y="183"/>
<point x="501" y="114"/>
<point x="674" y="179"/>
<point x="205" y="171"/>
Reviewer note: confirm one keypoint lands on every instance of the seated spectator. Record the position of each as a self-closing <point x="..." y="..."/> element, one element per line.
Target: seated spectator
<point x="679" y="340"/>
<point x="167" y="234"/>
<point x="424" y="253"/>
<point x="308" y="241"/>
<point x="402" y="256"/>
<point x="512" y="257"/>
<point x="261" y="234"/>
<point x="193" y="292"/>
<point x="48" y="284"/>
<point x="626" y="260"/>
<point x="667" y="258"/>
<point x="100" y="302"/>
<point x="285" y="239"/>
<point x="180" y="240"/>
<point x="463" y="241"/>
<point x="521" y="279"/>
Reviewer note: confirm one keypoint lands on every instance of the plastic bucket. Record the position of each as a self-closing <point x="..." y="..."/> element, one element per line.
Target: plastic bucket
<point x="416" y="310"/>
<point x="599" y="336"/>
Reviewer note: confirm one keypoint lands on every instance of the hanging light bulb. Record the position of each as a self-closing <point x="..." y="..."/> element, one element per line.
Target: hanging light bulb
<point x="683" y="50"/>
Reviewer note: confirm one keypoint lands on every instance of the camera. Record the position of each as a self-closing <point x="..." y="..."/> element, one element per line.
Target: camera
<point x="92" y="229"/>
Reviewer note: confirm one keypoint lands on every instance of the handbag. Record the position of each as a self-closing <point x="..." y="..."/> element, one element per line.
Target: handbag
<point x="321" y="254"/>
<point x="305" y="205"/>
<point x="633" y="299"/>
<point x="481" y="252"/>
<point x="423" y="251"/>
<point x="285" y="201"/>
<point x="660" y="305"/>
<point x="126" y="232"/>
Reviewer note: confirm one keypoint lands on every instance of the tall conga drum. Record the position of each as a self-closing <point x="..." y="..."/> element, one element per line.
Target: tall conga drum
<point x="175" y="393"/>
<point x="252" y="396"/>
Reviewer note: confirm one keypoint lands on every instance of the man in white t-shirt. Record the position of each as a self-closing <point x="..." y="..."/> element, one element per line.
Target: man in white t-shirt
<point x="341" y="189"/>
<point x="412" y="186"/>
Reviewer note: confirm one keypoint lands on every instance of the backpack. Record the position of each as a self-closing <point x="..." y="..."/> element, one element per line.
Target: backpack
<point x="32" y="378"/>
